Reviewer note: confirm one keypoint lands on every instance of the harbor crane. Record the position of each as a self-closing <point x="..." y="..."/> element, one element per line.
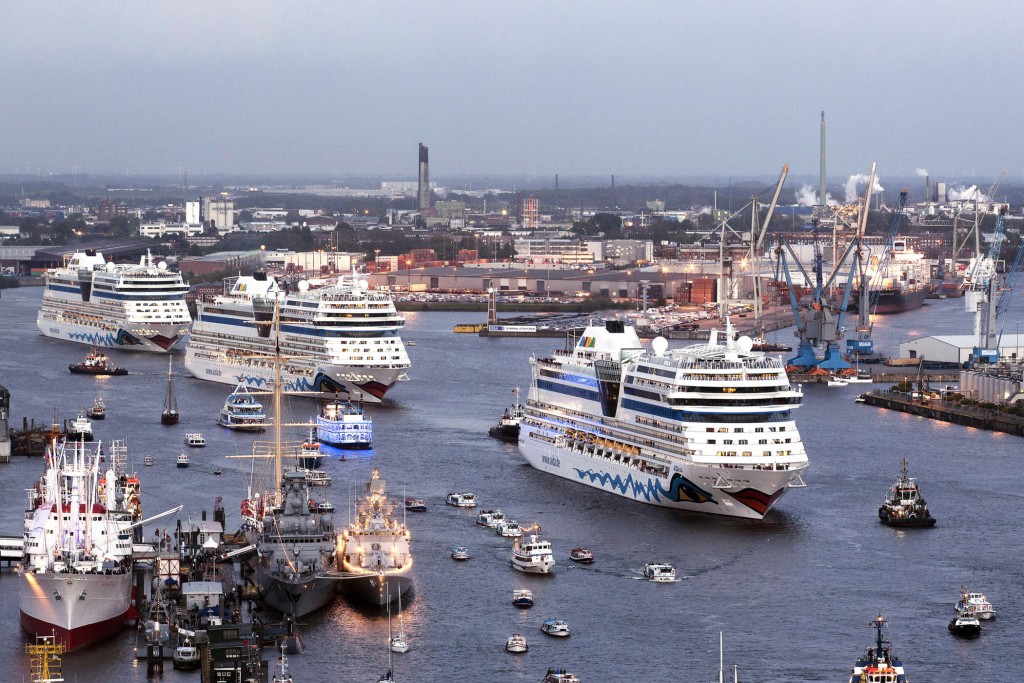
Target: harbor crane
<point x="981" y="296"/>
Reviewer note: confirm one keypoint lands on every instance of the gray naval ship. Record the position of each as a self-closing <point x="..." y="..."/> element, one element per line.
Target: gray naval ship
<point x="375" y="562"/>
<point x="297" y="547"/>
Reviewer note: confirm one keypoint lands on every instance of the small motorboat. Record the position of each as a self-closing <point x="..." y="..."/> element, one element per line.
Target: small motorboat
<point x="904" y="506"/>
<point x="835" y="381"/>
<point x="195" y="440"/>
<point x="509" y="529"/>
<point x="581" y="555"/>
<point x="555" y="627"/>
<point x="97" y="411"/>
<point x="461" y="500"/>
<point x="560" y="676"/>
<point x="183" y="460"/>
<point x="516" y="644"/>
<point x="80" y="429"/>
<point x="217" y="471"/>
<point x="860" y="399"/>
<point x="659" y="571"/>
<point x="974" y="604"/>
<point x="460" y="553"/>
<point x="415" y="505"/>
<point x="186" y="656"/>
<point x="96" y="363"/>
<point x="965" y="625"/>
<point x="490" y="518"/>
<point x="148" y="460"/>
<point x="315" y="477"/>
<point x="522" y="598"/>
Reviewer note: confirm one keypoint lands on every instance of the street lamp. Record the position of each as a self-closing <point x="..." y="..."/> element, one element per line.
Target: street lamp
<point x="408" y="273"/>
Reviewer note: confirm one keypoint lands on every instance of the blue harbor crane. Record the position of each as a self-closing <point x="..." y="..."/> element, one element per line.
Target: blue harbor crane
<point x="983" y="295"/>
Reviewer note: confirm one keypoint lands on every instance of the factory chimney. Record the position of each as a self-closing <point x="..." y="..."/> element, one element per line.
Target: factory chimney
<point x="927" y="188"/>
<point x="821" y="186"/>
<point x="423" y="191"/>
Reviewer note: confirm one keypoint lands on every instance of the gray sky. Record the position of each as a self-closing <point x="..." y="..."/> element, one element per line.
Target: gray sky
<point x="632" y="88"/>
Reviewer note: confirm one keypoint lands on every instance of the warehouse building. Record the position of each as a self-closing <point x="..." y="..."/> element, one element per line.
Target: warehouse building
<point x="954" y="350"/>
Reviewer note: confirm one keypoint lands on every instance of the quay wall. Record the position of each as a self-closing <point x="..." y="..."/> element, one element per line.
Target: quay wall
<point x="979" y="418"/>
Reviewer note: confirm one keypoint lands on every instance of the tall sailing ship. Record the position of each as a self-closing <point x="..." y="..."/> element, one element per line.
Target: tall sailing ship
<point x="342" y="338"/>
<point x="92" y="301"/>
<point x="706" y="428"/>
<point x="76" y="577"/>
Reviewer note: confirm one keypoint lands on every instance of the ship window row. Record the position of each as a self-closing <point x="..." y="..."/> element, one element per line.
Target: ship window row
<point x="665" y="386"/>
<point x="644" y="394"/>
<point x="656" y="371"/>
<point x="748" y="454"/>
<point x="716" y="402"/>
<point x="743" y="442"/>
<point x="733" y="389"/>
<point x="725" y="430"/>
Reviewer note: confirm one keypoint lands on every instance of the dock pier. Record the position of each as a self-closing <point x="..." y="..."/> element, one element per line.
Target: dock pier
<point x="946" y="411"/>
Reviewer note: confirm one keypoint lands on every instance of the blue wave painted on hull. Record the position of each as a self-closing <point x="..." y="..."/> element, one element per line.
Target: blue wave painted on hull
<point x="680" y="489"/>
<point x="320" y="383"/>
<point x="105" y="339"/>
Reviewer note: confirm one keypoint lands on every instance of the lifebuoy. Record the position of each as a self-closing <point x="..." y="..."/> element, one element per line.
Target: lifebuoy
<point x="912" y="515"/>
<point x="375" y="546"/>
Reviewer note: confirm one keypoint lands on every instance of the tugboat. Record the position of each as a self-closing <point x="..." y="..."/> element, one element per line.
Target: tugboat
<point x="904" y="506"/>
<point x="507" y="428"/>
<point x="879" y="665"/>
<point x="98" y="411"/>
<point x="965" y="625"/>
<point x="96" y="363"/>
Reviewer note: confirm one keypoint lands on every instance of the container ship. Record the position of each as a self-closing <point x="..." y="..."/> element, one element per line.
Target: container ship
<point x="706" y="428"/>
<point x="337" y="339"/>
<point x="139" y="307"/>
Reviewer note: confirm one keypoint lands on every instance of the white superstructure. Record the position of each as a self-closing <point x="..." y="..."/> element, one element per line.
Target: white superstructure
<point x="76" y="577"/>
<point x="706" y="428"/>
<point x="342" y="338"/>
<point x="130" y="306"/>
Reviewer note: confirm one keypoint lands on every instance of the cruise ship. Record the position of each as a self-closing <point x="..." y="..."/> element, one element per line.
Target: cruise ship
<point x="129" y="306"/>
<point x="342" y="338"/>
<point x="706" y="428"/>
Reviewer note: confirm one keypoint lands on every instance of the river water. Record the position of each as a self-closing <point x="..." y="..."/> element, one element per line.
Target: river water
<point x="793" y="593"/>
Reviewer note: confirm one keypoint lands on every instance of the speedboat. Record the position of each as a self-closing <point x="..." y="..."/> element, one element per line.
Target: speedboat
<point x="516" y="644"/>
<point x="183" y="460"/>
<point x="415" y="505"/>
<point x="97" y="411"/>
<point x="522" y="598"/>
<point x="581" y="555"/>
<point x="879" y="665"/>
<point x="509" y="529"/>
<point x="186" y="656"/>
<point x="660" y="571"/>
<point x="80" y="429"/>
<point x="461" y="500"/>
<point x="533" y="556"/>
<point x="242" y="412"/>
<point x="975" y="604"/>
<point x="904" y="506"/>
<point x="555" y="627"/>
<point x="965" y="625"/>
<point x="460" y="553"/>
<point x="148" y="460"/>
<point x="195" y="440"/>
<point x="490" y="518"/>
<point x="560" y="676"/>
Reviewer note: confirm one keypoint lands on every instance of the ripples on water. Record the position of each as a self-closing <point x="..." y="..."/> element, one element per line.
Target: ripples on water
<point x="793" y="593"/>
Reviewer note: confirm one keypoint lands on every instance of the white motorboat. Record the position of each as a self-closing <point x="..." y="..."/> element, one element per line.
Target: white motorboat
<point x="660" y="571"/>
<point x="460" y="553"/>
<point x="182" y="460"/>
<point x="195" y="440"/>
<point x="148" y="460"/>
<point x="555" y="627"/>
<point x="560" y="676"/>
<point x="490" y="518"/>
<point x="80" y="429"/>
<point x="509" y="529"/>
<point x="516" y="644"/>
<point x="461" y="500"/>
<point x="315" y="477"/>
<point x="834" y="381"/>
<point x="186" y="656"/>
<point x="975" y="604"/>
<point x="533" y="556"/>
<point x="522" y="598"/>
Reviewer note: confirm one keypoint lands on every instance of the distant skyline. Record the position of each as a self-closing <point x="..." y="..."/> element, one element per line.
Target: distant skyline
<point x="533" y="89"/>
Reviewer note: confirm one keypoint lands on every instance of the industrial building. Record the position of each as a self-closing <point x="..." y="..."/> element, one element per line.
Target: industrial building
<point x="955" y="349"/>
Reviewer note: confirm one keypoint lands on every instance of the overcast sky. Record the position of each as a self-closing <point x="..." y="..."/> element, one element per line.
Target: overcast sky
<point x="668" y="88"/>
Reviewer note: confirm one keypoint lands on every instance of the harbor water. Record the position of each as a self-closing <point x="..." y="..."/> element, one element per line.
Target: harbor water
<point x="793" y="593"/>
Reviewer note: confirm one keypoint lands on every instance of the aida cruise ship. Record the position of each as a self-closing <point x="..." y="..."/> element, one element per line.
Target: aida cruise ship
<point x="706" y="428"/>
<point x="129" y="306"/>
<point x="338" y="339"/>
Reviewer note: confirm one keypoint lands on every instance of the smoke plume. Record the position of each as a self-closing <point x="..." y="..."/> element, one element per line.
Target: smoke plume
<point x="860" y="179"/>
<point x="921" y="172"/>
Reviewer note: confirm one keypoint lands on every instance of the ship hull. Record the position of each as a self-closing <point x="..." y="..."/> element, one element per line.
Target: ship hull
<point x="898" y="301"/>
<point x="113" y="334"/>
<point x="377" y="589"/>
<point x="90" y="607"/>
<point x="368" y="384"/>
<point x="696" y="488"/>
<point x="298" y="598"/>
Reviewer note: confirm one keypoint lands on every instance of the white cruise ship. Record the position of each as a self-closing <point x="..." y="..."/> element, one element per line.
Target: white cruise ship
<point x="129" y="306"/>
<point x="342" y="338"/>
<point x="707" y="428"/>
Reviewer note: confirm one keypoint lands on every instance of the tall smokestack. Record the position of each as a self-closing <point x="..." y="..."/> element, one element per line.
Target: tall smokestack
<point x="423" y="191"/>
<point x="821" y="186"/>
